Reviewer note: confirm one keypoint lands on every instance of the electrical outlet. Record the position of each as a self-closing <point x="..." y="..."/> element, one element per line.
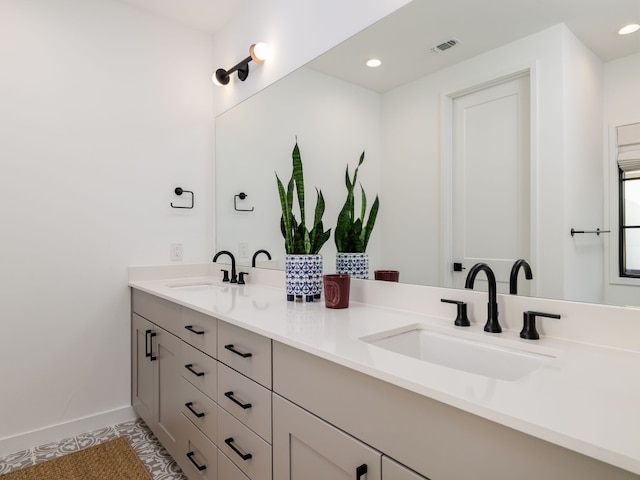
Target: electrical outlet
<point x="177" y="251"/>
<point x="243" y="250"/>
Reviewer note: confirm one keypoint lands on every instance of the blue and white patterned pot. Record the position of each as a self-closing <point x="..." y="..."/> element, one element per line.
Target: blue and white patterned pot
<point x="303" y="274"/>
<point x="355" y="264"/>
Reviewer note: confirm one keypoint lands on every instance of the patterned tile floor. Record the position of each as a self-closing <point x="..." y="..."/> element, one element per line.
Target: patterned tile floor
<point x="154" y="457"/>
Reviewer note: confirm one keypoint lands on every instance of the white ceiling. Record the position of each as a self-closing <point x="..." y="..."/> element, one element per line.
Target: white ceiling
<point x="403" y="40"/>
<point x="206" y="15"/>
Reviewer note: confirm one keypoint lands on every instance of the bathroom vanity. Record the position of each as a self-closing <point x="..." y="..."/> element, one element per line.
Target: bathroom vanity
<point x="238" y="383"/>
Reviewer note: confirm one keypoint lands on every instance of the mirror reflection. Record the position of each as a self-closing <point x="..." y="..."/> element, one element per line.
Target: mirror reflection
<point x="485" y="130"/>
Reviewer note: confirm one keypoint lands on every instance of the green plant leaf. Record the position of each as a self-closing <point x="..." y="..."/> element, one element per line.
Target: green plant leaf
<point x="298" y="178"/>
<point x="363" y="204"/>
<point x="344" y="224"/>
<point x="285" y="219"/>
<point x="351" y="234"/>
<point x="318" y="236"/>
<point x="347" y="180"/>
<point x="298" y="239"/>
<point x="321" y="239"/>
<point x="373" y="213"/>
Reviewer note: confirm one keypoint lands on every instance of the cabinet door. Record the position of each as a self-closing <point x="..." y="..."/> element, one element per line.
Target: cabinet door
<point x="142" y="388"/>
<point x="166" y="349"/>
<point x="307" y="448"/>
<point x="392" y="470"/>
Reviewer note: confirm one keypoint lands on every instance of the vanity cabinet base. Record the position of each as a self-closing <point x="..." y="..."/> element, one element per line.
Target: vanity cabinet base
<point x="213" y="418"/>
<point x="425" y="434"/>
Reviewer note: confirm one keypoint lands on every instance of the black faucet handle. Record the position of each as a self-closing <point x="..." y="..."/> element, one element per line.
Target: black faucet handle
<point x="462" y="320"/>
<point x="225" y="277"/>
<point x="241" y="278"/>
<point x="529" y="331"/>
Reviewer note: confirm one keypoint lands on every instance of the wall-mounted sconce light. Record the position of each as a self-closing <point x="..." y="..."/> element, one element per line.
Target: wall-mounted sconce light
<point x="258" y="52"/>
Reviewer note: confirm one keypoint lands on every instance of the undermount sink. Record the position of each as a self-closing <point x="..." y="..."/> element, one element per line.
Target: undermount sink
<point x="202" y="285"/>
<point x="470" y="355"/>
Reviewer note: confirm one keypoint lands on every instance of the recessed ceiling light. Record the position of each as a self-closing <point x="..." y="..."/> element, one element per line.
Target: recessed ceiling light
<point x="373" y="62"/>
<point x="626" y="30"/>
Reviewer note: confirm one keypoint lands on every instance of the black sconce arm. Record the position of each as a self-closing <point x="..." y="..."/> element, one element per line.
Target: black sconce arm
<point x="257" y="52"/>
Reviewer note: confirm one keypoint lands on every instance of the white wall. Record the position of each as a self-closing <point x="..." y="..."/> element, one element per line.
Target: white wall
<point x="621" y="106"/>
<point x="333" y="126"/>
<point x="566" y="92"/>
<point x="411" y="181"/>
<point x="296" y="31"/>
<point x="105" y="110"/>
<point x="583" y="185"/>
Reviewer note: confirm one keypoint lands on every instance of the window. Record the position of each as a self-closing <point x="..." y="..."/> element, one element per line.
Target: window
<point x="628" y="139"/>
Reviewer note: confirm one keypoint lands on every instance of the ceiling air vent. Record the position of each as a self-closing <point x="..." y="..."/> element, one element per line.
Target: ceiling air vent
<point x="444" y="46"/>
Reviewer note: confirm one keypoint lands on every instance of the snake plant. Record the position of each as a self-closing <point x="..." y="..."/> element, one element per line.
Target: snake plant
<point x="352" y="233"/>
<point x="298" y="240"/>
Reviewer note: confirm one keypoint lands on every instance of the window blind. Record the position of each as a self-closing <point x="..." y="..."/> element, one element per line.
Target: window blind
<point x="628" y="141"/>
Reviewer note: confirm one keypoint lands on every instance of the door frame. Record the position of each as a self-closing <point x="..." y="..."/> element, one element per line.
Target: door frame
<point x="446" y="162"/>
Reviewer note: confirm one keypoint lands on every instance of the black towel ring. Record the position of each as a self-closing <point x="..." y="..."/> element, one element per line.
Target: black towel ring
<point x="180" y="191"/>
<point x="241" y="196"/>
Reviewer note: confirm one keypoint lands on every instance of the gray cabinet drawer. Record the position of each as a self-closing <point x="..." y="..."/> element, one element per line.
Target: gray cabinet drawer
<point x="199" y="369"/>
<point x="199" y="408"/>
<point x="198" y="456"/>
<point x="246" y="352"/>
<point x="236" y="440"/>
<point x="234" y="386"/>
<point x="392" y="470"/>
<point x="199" y="330"/>
<point x="162" y="312"/>
<point x="227" y="470"/>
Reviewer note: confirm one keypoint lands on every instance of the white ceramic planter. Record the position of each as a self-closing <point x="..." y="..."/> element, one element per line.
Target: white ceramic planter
<point x="355" y="264"/>
<point x="303" y="276"/>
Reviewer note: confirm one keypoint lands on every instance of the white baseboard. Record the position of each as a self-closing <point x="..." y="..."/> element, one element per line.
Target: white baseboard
<point x="57" y="432"/>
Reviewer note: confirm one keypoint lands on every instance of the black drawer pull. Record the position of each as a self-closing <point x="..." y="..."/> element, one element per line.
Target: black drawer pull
<point x="193" y="330"/>
<point x="148" y="345"/>
<point x="244" y="456"/>
<point x="231" y="348"/>
<point x="190" y="368"/>
<point x="147" y="353"/>
<point x="199" y="467"/>
<point x="230" y="396"/>
<point x="189" y="405"/>
<point x="360" y="471"/>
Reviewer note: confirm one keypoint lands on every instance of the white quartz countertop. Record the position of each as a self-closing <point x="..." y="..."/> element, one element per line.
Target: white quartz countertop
<point x="586" y="399"/>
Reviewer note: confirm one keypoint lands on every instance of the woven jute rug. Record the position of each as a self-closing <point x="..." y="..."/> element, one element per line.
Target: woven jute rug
<point x="112" y="460"/>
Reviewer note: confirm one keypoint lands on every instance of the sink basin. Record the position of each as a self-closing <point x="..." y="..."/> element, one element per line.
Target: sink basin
<point x="466" y="354"/>
<point x="203" y="285"/>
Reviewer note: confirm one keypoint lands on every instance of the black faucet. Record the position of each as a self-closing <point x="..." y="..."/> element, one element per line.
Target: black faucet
<point x="234" y="277"/>
<point x="529" y="331"/>
<point x="513" y="279"/>
<point x="253" y="260"/>
<point x="492" y="324"/>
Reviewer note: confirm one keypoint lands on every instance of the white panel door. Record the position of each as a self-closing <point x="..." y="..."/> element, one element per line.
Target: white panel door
<point x="491" y="180"/>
